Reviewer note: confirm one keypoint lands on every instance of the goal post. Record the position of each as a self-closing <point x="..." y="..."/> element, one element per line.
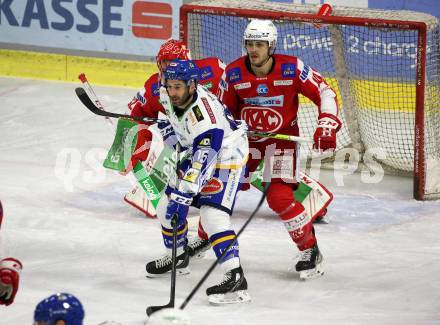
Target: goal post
<point x="384" y="66"/>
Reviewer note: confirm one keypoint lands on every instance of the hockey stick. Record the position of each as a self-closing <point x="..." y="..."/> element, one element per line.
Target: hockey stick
<point x="88" y="88"/>
<point x="212" y="267"/>
<point x="87" y="102"/>
<point x="278" y="136"/>
<point x="170" y="304"/>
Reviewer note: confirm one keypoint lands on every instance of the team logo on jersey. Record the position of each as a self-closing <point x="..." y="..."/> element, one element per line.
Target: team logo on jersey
<point x="198" y="113"/>
<point x="233" y="75"/>
<point x="262" y="89"/>
<point x="288" y="70"/>
<point x="283" y="82"/>
<point x="214" y="186"/>
<point x="243" y="85"/>
<point x="304" y="74"/>
<point x="262" y="118"/>
<point x="275" y="101"/>
<point x="205" y="73"/>
<point x="155" y="89"/>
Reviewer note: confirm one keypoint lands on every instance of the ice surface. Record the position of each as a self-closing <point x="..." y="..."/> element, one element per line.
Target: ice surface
<point x="381" y="248"/>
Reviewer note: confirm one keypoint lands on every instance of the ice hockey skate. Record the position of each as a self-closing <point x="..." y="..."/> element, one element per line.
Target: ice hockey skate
<point x="232" y="289"/>
<point x="162" y="266"/>
<point x="197" y="247"/>
<point x="310" y="263"/>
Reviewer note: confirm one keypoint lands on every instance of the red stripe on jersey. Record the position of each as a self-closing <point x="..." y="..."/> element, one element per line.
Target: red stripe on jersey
<point x="209" y="110"/>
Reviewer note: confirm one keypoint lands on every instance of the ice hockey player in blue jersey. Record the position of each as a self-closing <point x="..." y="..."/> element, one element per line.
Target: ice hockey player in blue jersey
<point x="215" y="148"/>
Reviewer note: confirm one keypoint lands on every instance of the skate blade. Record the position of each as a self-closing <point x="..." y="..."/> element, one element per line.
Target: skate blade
<point x="181" y="271"/>
<point x="236" y="297"/>
<point x="317" y="272"/>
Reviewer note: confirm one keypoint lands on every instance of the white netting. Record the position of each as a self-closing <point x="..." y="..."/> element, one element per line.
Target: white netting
<point x="373" y="71"/>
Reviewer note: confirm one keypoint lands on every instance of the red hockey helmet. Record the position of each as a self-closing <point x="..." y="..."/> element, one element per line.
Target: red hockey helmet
<point x="171" y="50"/>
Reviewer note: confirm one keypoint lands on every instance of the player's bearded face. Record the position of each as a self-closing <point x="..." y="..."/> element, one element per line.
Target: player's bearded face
<point x="179" y="92"/>
<point x="258" y="52"/>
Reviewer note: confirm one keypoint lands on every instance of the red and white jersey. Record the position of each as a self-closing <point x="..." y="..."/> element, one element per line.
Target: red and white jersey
<point x="146" y="102"/>
<point x="270" y="103"/>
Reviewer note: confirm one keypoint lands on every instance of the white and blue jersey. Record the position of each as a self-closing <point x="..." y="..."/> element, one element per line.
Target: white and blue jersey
<point x="212" y="172"/>
<point x="217" y="149"/>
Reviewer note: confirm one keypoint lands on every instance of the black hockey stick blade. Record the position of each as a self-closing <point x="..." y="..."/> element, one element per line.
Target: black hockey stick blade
<point x="153" y="309"/>
<point x="87" y="102"/>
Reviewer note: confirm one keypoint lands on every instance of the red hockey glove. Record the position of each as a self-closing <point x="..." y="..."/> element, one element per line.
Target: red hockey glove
<point x="10" y="269"/>
<point x="325" y="134"/>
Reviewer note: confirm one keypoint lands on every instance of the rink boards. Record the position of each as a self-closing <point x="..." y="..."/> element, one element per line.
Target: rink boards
<point x="100" y="71"/>
<point x="111" y="72"/>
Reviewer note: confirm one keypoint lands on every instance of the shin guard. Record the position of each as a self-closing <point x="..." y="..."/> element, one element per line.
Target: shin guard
<point x="296" y="220"/>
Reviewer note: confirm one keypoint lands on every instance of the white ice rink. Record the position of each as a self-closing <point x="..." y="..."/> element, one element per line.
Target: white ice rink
<point x="381" y="248"/>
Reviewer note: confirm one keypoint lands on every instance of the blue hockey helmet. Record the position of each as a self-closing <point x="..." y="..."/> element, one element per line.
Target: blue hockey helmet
<point x="60" y="306"/>
<point x="185" y="70"/>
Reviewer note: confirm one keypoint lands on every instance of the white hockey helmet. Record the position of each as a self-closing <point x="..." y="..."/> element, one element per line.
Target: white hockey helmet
<point x="261" y="30"/>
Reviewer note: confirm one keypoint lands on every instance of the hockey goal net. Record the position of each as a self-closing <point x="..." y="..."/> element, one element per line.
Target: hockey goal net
<point x="384" y="66"/>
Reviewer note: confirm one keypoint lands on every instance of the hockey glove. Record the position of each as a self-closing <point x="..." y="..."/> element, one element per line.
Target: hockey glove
<point x="10" y="269"/>
<point x="325" y="133"/>
<point x="178" y="205"/>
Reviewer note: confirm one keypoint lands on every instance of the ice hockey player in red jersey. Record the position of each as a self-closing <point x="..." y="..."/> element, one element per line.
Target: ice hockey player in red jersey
<point x="146" y="104"/>
<point x="262" y="88"/>
<point x="10" y="269"/>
